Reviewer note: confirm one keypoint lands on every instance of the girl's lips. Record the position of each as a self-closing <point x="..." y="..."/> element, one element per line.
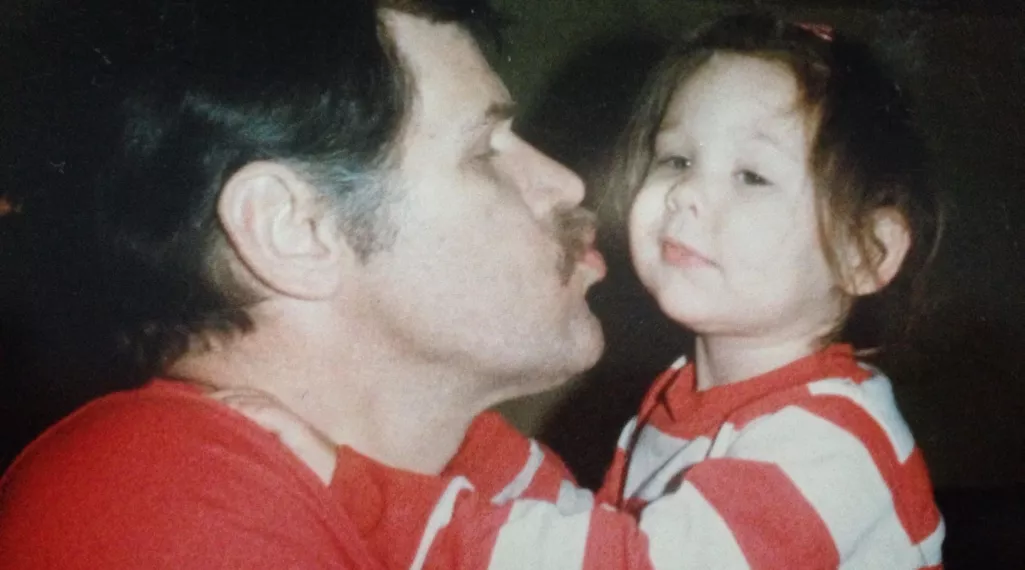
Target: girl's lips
<point x="679" y="255"/>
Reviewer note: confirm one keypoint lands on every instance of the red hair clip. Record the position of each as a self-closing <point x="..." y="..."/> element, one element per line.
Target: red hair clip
<point x="823" y="31"/>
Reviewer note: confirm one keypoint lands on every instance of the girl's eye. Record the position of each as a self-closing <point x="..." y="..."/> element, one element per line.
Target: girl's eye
<point x="753" y="178"/>
<point x="675" y="162"/>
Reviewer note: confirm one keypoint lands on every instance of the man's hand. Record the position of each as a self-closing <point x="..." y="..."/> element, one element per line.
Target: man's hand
<point x="312" y="447"/>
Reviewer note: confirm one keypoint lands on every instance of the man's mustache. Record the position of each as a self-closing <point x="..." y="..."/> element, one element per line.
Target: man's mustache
<point x="575" y="230"/>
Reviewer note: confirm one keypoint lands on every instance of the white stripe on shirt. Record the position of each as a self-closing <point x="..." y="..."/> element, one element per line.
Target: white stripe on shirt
<point x="538" y="537"/>
<point x="519" y="484"/>
<point x="686" y="532"/>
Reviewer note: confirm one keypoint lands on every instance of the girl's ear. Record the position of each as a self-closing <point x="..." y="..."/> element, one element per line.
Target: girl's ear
<point x="890" y="244"/>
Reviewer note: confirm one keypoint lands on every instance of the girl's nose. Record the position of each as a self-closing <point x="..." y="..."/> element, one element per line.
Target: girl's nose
<point x="685" y="195"/>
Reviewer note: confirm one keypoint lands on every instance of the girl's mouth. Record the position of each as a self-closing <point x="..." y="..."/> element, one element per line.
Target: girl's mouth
<point x="680" y="255"/>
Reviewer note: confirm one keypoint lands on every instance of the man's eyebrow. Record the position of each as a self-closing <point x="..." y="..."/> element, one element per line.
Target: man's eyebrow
<point x="495" y="113"/>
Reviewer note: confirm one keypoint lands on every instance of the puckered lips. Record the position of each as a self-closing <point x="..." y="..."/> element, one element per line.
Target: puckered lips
<point x="592" y="259"/>
<point x="588" y="256"/>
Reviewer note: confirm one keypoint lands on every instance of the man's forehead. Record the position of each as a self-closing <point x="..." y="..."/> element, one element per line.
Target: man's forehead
<point x="450" y="75"/>
<point x="421" y="41"/>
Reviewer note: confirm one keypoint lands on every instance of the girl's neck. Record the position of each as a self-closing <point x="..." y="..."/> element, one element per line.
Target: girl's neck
<point x="720" y="361"/>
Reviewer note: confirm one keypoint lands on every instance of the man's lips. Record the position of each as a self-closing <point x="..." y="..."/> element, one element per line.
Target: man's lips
<point x="679" y="255"/>
<point x="593" y="259"/>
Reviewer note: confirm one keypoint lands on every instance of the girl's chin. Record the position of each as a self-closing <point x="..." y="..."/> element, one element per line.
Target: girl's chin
<point x="686" y="313"/>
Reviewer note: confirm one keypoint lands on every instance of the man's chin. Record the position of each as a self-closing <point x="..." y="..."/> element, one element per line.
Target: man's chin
<point x="591" y="346"/>
<point x="573" y="362"/>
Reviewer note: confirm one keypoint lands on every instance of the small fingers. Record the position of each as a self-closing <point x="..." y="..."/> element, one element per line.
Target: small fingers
<point x="304" y="441"/>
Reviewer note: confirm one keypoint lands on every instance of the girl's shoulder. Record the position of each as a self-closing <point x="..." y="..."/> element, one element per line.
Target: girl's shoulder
<point x="862" y="407"/>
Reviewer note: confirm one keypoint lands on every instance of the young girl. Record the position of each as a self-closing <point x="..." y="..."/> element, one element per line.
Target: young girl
<point x="775" y="178"/>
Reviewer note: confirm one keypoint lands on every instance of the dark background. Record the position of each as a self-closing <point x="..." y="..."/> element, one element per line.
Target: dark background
<point x="574" y="65"/>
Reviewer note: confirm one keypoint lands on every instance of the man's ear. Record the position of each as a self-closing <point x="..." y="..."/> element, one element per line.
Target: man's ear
<point x="282" y="231"/>
<point x="892" y="240"/>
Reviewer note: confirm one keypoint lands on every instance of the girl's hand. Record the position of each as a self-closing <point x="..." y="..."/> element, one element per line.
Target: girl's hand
<point x="312" y="447"/>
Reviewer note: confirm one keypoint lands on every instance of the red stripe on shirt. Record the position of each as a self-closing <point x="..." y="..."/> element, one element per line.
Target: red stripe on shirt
<point x="615" y="542"/>
<point x="681" y="410"/>
<point x="917" y="508"/>
<point x="611" y="491"/>
<point x="772" y="522"/>
<point x="491" y="455"/>
<point x="469" y="540"/>
<point x="908" y="482"/>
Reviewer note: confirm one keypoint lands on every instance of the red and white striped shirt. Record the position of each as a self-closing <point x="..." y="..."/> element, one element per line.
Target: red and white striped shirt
<point x="807" y="466"/>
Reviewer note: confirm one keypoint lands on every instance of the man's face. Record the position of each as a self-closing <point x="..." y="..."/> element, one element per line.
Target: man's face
<point x="477" y="278"/>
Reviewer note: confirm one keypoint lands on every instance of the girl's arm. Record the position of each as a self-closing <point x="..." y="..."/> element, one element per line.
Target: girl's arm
<point x="312" y="447"/>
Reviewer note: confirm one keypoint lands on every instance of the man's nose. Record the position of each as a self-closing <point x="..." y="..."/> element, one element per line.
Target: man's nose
<point x="550" y="184"/>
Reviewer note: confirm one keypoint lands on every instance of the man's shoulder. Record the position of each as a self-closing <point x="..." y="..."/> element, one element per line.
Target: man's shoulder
<point x="156" y="468"/>
<point x="144" y="426"/>
<point x="164" y="432"/>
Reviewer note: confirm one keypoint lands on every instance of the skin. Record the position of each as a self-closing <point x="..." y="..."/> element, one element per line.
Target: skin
<point x="394" y="356"/>
<point x="724" y="230"/>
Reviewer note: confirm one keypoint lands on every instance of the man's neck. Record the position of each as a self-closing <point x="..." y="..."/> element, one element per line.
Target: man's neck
<point x="409" y="415"/>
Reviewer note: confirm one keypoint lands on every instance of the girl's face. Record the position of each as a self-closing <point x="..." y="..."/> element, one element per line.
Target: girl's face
<point x="724" y="231"/>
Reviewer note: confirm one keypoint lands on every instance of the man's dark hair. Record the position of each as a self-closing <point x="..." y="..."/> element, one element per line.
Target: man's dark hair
<point x="137" y="112"/>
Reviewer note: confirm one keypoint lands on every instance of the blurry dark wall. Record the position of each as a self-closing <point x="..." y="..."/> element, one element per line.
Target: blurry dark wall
<point x="961" y="382"/>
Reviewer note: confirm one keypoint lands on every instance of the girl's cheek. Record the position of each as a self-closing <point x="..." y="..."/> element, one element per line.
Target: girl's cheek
<point x="646" y="211"/>
<point x="635" y="219"/>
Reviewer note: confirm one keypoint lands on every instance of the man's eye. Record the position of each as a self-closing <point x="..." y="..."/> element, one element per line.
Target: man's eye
<point x="675" y="162"/>
<point x="487" y="154"/>
<point x="753" y="178"/>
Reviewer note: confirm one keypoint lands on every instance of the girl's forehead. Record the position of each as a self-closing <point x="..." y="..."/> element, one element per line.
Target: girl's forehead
<point x="740" y="81"/>
<point x="737" y="94"/>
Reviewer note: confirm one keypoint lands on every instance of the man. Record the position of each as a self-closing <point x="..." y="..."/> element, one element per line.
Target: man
<point x="325" y="202"/>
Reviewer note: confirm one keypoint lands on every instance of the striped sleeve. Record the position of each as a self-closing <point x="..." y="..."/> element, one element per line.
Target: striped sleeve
<point x="808" y="486"/>
<point x="736" y="514"/>
<point x="536" y="535"/>
<point x="615" y="476"/>
<point x="503" y="464"/>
